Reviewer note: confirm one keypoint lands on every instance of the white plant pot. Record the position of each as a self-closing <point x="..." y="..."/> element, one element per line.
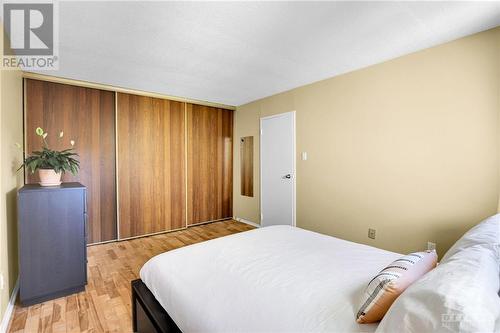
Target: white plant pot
<point x="48" y="177"/>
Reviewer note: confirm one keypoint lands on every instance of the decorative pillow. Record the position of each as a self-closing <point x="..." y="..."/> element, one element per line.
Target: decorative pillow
<point x="460" y="295"/>
<point x="486" y="232"/>
<point x="387" y="285"/>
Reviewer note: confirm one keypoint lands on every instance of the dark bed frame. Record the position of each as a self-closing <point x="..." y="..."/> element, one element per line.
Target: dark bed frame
<point x="148" y="316"/>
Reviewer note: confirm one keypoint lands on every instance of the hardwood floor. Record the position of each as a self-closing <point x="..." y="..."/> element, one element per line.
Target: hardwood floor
<point x="104" y="306"/>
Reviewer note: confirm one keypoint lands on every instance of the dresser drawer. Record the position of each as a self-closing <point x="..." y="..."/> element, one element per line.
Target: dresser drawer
<point x="52" y="242"/>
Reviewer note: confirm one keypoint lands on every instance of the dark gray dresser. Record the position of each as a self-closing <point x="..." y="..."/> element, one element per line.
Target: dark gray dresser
<point x="52" y="241"/>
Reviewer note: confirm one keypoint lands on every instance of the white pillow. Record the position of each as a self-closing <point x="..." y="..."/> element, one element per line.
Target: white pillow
<point x="459" y="295"/>
<point x="486" y="232"/>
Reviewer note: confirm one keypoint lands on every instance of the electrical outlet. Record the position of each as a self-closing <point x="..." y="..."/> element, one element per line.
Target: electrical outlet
<point x="431" y="246"/>
<point x="2" y="283"/>
<point x="371" y="233"/>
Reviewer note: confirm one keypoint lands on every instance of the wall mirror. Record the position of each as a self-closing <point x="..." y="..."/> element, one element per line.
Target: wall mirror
<point x="246" y="162"/>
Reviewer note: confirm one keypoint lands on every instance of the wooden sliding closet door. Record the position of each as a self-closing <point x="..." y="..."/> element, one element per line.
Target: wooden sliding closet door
<point x="88" y="117"/>
<point x="210" y="163"/>
<point x="151" y="165"/>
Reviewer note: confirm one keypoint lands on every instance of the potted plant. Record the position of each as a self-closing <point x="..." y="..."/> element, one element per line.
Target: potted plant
<point x="51" y="164"/>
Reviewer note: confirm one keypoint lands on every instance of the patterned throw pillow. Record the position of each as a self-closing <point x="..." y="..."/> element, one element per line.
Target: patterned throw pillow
<point x="387" y="285"/>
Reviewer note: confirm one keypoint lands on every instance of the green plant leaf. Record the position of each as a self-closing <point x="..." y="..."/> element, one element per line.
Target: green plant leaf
<point x="60" y="161"/>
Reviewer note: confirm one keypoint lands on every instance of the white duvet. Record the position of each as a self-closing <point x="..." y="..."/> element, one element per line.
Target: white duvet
<point x="273" y="279"/>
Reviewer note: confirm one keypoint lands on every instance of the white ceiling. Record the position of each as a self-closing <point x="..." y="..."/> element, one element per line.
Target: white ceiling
<point x="237" y="52"/>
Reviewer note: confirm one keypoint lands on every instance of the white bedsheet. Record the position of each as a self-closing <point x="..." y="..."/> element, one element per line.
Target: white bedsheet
<point x="273" y="279"/>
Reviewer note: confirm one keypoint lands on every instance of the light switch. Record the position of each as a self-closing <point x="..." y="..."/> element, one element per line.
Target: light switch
<point x="304" y="156"/>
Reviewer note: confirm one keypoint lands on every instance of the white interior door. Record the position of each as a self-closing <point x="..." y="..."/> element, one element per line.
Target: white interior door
<point x="277" y="169"/>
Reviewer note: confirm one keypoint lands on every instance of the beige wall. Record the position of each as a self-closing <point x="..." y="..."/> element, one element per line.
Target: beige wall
<point x="11" y="129"/>
<point x="409" y="147"/>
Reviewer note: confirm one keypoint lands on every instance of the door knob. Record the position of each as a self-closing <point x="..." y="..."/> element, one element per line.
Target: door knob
<point x="288" y="176"/>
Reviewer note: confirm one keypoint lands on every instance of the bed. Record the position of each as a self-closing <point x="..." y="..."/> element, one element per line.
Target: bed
<point x="273" y="279"/>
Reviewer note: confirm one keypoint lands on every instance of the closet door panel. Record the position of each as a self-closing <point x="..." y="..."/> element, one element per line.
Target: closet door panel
<point x="226" y="163"/>
<point x="210" y="141"/>
<point x="87" y="116"/>
<point x="151" y="165"/>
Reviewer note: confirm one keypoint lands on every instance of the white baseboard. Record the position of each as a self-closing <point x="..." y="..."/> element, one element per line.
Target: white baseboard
<point x="4" y="325"/>
<point x="239" y="219"/>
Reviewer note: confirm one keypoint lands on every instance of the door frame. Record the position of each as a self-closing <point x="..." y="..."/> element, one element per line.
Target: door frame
<point x="294" y="168"/>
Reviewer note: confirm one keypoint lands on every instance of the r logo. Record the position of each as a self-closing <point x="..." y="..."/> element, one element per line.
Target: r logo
<point x="30" y="28"/>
